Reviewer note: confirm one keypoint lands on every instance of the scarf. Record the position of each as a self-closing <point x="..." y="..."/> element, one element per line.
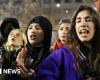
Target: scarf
<point x="57" y="45"/>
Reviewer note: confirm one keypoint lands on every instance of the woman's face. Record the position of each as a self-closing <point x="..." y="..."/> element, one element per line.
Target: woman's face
<point x="15" y="38"/>
<point x="35" y="34"/>
<point x="85" y="28"/>
<point x="63" y="32"/>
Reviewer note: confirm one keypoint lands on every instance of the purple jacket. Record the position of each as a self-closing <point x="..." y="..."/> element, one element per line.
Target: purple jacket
<point x="58" y="66"/>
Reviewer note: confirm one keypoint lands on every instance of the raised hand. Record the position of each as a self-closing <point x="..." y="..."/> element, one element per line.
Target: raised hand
<point x="21" y="57"/>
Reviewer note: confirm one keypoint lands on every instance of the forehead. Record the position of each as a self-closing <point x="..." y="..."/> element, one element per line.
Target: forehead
<point x="34" y="24"/>
<point x="16" y="31"/>
<point x="65" y="25"/>
<point x="83" y="14"/>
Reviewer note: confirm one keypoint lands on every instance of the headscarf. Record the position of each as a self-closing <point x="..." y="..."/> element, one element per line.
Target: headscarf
<point x="58" y="44"/>
<point x="40" y="53"/>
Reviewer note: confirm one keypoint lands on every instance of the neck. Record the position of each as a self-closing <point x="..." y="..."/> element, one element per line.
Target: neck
<point x="37" y="45"/>
<point x="12" y="47"/>
<point x="88" y="45"/>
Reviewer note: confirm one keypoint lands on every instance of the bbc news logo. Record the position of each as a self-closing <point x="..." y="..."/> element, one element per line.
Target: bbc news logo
<point x="10" y="71"/>
<point x="7" y="71"/>
<point x="0" y="71"/>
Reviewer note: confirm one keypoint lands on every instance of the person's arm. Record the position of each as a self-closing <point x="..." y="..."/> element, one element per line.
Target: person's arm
<point x="21" y="58"/>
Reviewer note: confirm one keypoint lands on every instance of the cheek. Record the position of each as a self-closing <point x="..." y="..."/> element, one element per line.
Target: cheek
<point x="9" y="40"/>
<point x="28" y="38"/>
<point x="19" y="43"/>
<point x="41" y="37"/>
<point x="20" y="39"/>
<point x="92" y="31"/>
<point x="92" y="28"/>
<point x="76" y="30"/>
<point x="28" y="34"/>
<point x="59" y="32"/>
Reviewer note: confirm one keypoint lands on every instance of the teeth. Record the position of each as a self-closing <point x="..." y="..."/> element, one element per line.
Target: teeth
<point x="32" y="36"/>
<point x="83" y="31"/>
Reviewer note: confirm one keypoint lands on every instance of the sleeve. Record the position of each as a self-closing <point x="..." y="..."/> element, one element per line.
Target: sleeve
<point x="49" y="68"/>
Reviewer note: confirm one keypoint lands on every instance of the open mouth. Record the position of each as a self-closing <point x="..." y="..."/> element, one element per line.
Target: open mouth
<point x="13" y="39"/>
<point x="33" y="37"/>
<point x="84" y="32"/>
<point x="63" y="36"/>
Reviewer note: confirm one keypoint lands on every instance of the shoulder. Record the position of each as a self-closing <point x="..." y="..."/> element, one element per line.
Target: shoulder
<point x="59" y="55"/>
<point x="61" y="52"/>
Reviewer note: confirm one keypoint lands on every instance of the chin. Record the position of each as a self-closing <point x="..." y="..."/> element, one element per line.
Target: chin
<point x="85" y="40"/>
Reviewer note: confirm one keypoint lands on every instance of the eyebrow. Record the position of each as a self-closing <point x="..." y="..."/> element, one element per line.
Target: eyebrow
<point x="84" y="17"/>
<point x="88" y="17"/>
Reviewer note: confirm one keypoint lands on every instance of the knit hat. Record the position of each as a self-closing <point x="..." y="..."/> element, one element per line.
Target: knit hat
<point x="46" y="25"/>
<point x="7" y="25"/>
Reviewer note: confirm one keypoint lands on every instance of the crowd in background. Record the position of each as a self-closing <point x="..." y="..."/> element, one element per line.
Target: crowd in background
<point x="74" y="55"/>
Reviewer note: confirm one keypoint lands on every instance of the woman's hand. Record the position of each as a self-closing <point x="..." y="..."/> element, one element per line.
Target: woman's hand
<point x="21" y="57"/>
<point x="26" y="73"/>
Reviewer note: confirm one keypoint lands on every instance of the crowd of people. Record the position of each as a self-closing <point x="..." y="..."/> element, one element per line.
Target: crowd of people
<point x="75" y="55"/>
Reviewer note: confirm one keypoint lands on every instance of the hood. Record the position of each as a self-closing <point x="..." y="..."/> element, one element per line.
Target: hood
<point x="7" y="25"/>
<point x="46" y="25"/>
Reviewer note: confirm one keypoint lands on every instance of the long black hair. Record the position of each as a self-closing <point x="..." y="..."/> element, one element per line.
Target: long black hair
<point x="91" y="53"/>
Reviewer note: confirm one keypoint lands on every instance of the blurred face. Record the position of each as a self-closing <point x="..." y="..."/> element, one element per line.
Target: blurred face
<point x="35" y="34"/>
<point x="85" y="26"/>
<point x="63" y="32"/>
<point x="15" y="38"/>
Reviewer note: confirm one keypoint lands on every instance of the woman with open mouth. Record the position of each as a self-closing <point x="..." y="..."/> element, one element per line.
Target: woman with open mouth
<point x="38" y="35"/>
<point x="80" y="60"/>
<point x="63" y="32"/>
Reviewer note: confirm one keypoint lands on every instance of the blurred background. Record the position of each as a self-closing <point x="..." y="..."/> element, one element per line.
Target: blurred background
<point x="24" y="10"/>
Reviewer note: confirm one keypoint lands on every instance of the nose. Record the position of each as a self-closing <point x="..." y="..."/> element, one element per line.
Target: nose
<point x="65" y="31"/>
<point x="14" y="35"/>
<point x="33" y="30"/>
<point x="83" y="23"/>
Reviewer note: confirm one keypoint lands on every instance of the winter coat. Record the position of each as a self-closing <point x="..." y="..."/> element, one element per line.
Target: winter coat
<point x="58" y="66"/>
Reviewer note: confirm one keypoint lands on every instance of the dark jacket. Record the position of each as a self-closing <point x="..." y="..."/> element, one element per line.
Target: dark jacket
<point x="40" y="53"/>
<point x="35" y="54"/>
<point x="7" y="61"/>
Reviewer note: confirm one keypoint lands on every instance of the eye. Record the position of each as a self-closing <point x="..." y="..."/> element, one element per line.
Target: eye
<point x="78" y="20"/>
<point x="11" y="34"/>
<point x="17" y="35"/>
<point x="38" y="28"/>
<point x="61" y="28"/>
<point x="30" y="27"/>
<point x="67" y="28"/>
<point x="88" y="20"/>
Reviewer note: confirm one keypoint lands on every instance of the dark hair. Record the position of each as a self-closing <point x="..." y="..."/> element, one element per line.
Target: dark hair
<point x="64" y="20"/>
<point x="95" y="16"/>
<point x="92" y="61"/>
<point x="40" y="53"/>
<point x="46" y="25"/>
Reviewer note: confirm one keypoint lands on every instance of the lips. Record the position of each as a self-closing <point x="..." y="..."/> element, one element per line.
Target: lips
<point x="13" y="39"/>
<point x="84" y="32"/>
<point x="63" y="36"/>
<point x="33" y="37"/>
